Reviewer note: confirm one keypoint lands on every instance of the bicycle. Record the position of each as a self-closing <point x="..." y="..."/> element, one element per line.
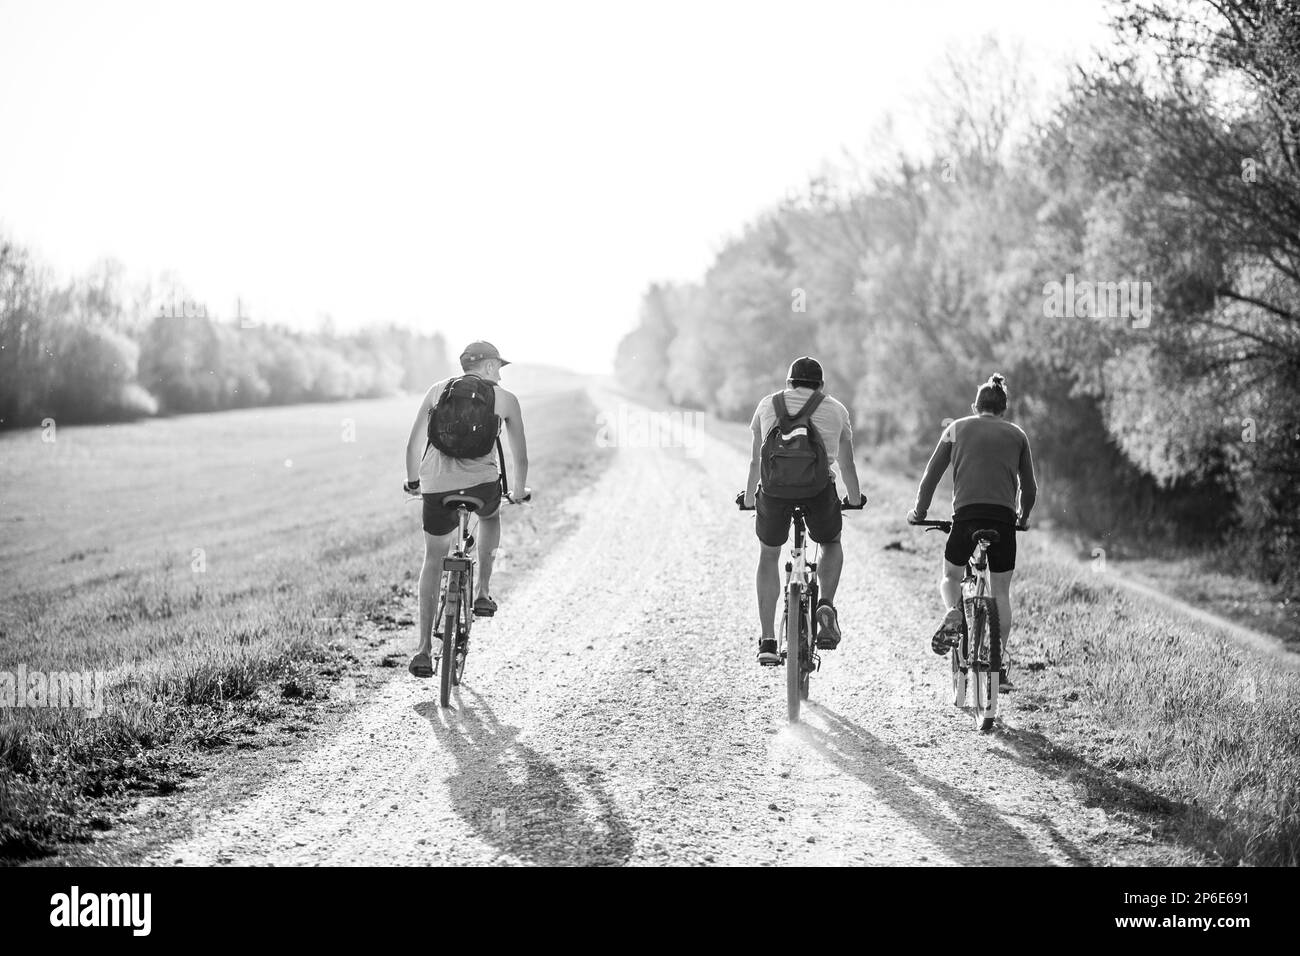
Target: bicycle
<point x="455" y="614"/>
<point x="976" y="652"/>
<point x="800" y="631"/>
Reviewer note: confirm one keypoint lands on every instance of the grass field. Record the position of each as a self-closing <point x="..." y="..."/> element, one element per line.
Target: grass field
<point x="216" y="566"/>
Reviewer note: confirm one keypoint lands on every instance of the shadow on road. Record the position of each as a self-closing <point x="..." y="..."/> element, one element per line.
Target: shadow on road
<point x="1176" y="821"/>
<point x="969" y="830"/>
<point x="519" y="801"/>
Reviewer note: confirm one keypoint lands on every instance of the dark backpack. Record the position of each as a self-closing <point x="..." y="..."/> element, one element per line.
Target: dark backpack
<point x="463" y="421"/>
<point x="793" y="459"/>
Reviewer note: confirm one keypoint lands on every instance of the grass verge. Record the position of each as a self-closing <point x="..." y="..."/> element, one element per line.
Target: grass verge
<point x="269" y="635"/>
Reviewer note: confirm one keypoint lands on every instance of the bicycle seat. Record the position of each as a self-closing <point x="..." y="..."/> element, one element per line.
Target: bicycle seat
<point x="471" y="503"/>
<point x="989" y="535"/>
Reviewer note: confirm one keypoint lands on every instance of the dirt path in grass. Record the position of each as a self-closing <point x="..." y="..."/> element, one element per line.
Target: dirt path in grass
<point x="613" y="714"/>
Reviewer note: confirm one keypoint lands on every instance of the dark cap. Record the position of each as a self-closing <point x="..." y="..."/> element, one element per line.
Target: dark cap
<point x="478" y="351"/>
<point x="806" y="369"/>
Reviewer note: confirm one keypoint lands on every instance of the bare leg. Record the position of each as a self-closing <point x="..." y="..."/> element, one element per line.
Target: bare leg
<point x="1002" y="592"/>
<point x="489" y="537"/>
<point x="769" y="588"/>
<point x="435" y="549"/>
<point x="950" y="585"/>
<point x="829" y="566"/>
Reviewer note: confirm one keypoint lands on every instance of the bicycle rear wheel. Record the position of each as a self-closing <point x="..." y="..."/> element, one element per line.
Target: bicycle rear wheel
<point x="958" y="679"/>
<point x="806" y="645"/>
<point x="982" y="618"/>
<point x="448" y="664"/>
<point x="462" y="640"/>
<point x="794" y="653"/>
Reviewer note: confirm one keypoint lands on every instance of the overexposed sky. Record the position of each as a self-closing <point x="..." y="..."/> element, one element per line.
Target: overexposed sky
<point x="513" y="171"/>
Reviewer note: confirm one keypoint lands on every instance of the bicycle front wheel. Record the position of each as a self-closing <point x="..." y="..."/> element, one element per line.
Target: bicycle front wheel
<point x="794" y="653"/>
<point x="447" y="666"/>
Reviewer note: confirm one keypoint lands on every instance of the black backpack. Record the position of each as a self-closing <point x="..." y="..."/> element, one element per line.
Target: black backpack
<point x="463" y="421"/>
<point x="793" y="459"/>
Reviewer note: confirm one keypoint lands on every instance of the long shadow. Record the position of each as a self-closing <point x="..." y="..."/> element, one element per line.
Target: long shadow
<point x="520" y="802"/>
<point x="972" y="832"/>
<point x="1176" y="820"/>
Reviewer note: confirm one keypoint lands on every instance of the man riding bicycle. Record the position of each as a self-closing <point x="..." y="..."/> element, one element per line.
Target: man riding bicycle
<point x="990" y="460"/>
<point x="808" y="418"/>
<point x="458" y="419"/>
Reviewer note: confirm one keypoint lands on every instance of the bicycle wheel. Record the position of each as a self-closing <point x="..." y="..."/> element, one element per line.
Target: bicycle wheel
<point x="447" y="667"/>
<point x="981" y="616"/>
<point x="806" y="645"/>
<point x="794" y="681"/>
<point x="958" y="679"/>
<point x="462" y="642"/>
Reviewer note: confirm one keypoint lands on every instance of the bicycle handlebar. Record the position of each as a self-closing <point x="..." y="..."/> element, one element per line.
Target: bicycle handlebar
<point x="946" y="526"/>
<point x="412" y="490"/>
<point x="844" y="503"/>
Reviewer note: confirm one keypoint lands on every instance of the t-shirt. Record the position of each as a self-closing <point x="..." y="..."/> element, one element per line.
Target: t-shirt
<point x="990" y="460"/>
<point x="830" y="418"/>
<point x="439" y="472"/>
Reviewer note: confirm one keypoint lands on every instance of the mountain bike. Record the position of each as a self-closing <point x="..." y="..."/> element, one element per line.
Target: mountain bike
<point x="978" y="653"/>
<point x="455" y="614"/>
<point x="798" y="638"/>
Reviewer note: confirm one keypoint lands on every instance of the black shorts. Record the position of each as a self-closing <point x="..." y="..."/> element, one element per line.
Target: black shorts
<point x="821" y="514"/>
<point x="1002" y="554"/>
<point x="439" y="520"/>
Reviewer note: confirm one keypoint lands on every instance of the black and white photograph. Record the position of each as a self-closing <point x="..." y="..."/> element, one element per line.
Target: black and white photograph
<point x="679" y="434"/>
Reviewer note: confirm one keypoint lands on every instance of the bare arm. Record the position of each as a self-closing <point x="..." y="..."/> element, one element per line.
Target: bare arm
<point x="755" y="454"/>
<point x="513" y="417"/>
<point x="415" y="444"/>
<point x="849" y="469"/>
<point x="1028" y="484"/>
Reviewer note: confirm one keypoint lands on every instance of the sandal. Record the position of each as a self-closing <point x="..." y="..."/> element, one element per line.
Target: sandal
<point x="485" y="607"/>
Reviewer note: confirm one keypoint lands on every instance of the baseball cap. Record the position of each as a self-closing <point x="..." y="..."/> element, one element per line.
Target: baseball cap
<point x="478" y="351"/>
<point x="806" y="369"/>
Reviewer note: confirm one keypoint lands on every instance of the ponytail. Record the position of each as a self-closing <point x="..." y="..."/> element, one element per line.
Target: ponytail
<point x="992" y="395"/>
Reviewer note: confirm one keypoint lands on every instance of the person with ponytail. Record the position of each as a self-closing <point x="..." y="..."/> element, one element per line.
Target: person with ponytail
<point x="993" y="487"/>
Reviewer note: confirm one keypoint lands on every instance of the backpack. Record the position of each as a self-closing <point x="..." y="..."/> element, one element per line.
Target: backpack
<point x="793" y="459"/>
<point x="463" y="422"/>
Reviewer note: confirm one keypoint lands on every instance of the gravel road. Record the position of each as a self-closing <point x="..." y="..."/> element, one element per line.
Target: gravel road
<point x="613" y="714"/>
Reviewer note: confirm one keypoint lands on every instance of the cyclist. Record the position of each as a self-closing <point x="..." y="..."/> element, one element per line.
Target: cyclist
<point x="435" y="474"/>
<point x="990" y="458"/>
<point x="821" y="504"/>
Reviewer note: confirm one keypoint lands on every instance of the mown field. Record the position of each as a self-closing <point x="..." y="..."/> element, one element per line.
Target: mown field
<point x="217" y="566"/>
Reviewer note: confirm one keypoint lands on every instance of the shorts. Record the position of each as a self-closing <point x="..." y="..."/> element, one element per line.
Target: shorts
<point x="1002" y="553"/>
<point x="439" y="520"/>
<point x="821" y="514"/>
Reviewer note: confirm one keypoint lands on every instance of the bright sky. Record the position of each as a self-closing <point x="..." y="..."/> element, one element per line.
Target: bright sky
<point x="512" y="171"/>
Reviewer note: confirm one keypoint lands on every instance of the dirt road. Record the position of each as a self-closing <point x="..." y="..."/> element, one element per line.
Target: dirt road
<point x="613" y="714"/>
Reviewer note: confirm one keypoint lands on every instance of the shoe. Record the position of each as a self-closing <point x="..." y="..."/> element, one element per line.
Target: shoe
<point x="485" y="607"/>
<point x="421" y="665"/>
<point x="767" y="654"/>
<point x="1004" y="682"/>
<point x="828" y="626"/>
<point x="949" y="634"/>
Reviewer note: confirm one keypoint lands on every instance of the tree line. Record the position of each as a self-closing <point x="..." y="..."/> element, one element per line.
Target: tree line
<point x="1131" y="261"/>
<point x="90" y="350"/>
